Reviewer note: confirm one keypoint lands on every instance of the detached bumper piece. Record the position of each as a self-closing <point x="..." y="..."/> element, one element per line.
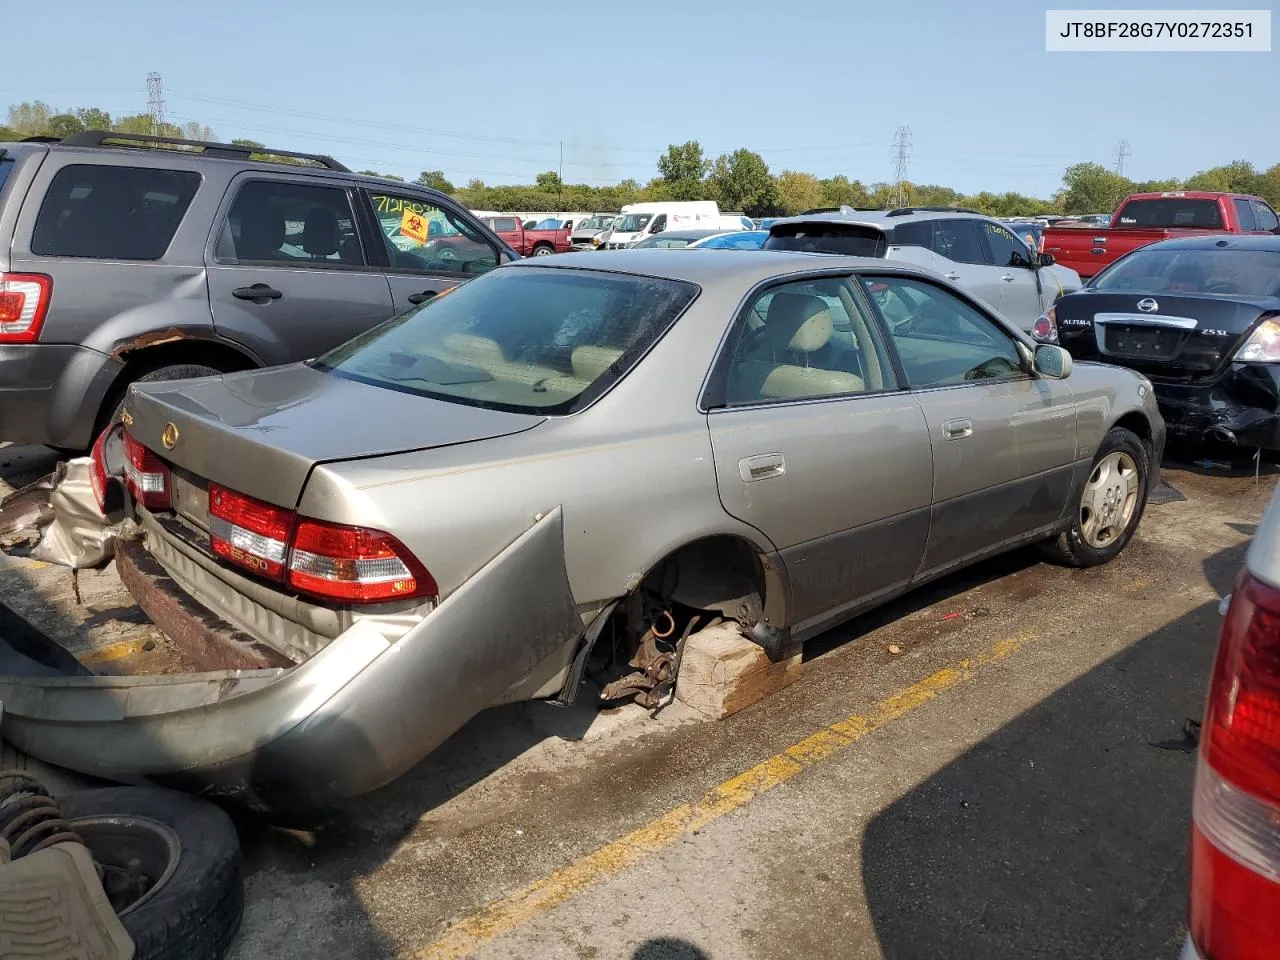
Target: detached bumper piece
<point x="354" y="716"/>
<point x="1240" y="408"/>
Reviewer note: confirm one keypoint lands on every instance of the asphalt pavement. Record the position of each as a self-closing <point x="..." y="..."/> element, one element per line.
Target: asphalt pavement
<point x="1015" y="782"/>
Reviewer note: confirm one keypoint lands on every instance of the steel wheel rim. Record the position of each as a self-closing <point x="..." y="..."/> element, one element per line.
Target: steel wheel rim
<point x="1110" y="500"/>
<point x="542" y="252"/>
<point x="115" y="839"/>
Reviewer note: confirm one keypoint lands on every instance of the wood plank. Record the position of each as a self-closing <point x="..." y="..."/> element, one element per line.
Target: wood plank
<point x="723" y="672"/>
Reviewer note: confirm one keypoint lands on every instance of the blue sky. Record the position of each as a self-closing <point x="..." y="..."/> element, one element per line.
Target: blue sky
<point x="490" y="89"/>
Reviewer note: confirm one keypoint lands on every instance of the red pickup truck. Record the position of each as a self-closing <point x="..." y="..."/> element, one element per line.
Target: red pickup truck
<point x="531" y="243"/>
<point x="1147" y="217"/>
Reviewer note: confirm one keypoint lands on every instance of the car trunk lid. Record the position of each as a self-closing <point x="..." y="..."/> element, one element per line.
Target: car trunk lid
<point x="1175" y="336"/>
<point x="261" y="432"/>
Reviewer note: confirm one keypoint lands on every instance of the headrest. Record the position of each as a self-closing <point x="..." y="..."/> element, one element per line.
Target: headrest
<point x="261" y="234"/>
<point x="320" y="232"/>
<point x="798" y="321"/>
<point x="468" y="346"/>
<point x="589" y="363"/>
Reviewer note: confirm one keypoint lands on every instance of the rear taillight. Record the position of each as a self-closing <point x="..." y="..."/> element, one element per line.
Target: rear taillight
<point x="355" y="565"/>
<point x="146" y="475"/>
<point x="1045" y="329"/>
<point x="249" y="532"/>
<point x="1235" y="861"/>
<point x="24" y="300"/>
<point x="326" y="560"/>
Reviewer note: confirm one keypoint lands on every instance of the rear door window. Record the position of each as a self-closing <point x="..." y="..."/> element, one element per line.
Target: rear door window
<point x="1244" y="213"/>
<point x="112" y="213"/>
<point x="283" y="223"/>
<point x="1265" y="216"/>
<point x="959" y="240"/>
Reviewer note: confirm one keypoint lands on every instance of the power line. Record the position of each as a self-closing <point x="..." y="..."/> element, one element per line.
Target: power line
<point x="155" y="103"/>
<point x="901" y="154"/>
<point x="1122" y="154"/>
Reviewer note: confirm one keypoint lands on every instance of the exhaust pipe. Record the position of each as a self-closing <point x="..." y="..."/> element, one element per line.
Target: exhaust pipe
<point x="1222" y="435"/>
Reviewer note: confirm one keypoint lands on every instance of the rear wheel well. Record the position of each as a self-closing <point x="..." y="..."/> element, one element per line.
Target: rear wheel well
<point x="140" y="362"/>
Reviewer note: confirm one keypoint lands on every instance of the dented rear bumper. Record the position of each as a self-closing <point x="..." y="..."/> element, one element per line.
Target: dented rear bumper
<point x="1242" y="407"/>
<point x="354" y="716"/>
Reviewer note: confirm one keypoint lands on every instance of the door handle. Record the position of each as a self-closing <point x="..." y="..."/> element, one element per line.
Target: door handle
<point x="952" y="275"/>
<point x="257" y="293"/>
<point x="1007" y="278"/>
<point x="761" y="467"/>
<point x="423" y="297"/>
<point x="957" y="429"/>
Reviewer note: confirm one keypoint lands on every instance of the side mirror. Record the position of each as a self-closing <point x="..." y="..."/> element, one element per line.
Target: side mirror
<point x="1046" y="260"/>
<point x="1052" y="362"/>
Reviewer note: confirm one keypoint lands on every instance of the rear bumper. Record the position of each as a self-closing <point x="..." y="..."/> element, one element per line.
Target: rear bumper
<point x="51" y="393"/>
<point x="1242" y="407"/>
<point x="356" y="715"/>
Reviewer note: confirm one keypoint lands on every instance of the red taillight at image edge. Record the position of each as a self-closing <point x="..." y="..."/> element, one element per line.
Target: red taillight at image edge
<point x="326" y="560"/>
<point x="24" y="301"/>
<point x="146" y="475"/>
<point x="1235" y="852"/>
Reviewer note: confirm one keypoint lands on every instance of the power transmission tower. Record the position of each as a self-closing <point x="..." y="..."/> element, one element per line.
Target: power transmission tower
<point x="1122" y="154"/>
<point x="155" y="103"/>
<point x="901" y="154"/>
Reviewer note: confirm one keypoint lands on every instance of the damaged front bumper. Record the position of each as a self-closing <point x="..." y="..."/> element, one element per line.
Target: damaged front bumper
<point x="358" y="713"/>
<point x="1241" y="407"/>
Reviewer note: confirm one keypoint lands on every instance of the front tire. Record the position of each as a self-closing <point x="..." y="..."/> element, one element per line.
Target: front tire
<point x="1107" y="512"/>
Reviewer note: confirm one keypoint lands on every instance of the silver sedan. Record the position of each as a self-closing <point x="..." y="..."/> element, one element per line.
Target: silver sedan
<point x="357" y="554"/>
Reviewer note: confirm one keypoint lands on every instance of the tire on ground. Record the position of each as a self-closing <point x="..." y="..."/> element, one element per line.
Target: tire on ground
<point x="194" y="914"/>
<point x="1070" y="547"/>
<point x="176" y="371"/>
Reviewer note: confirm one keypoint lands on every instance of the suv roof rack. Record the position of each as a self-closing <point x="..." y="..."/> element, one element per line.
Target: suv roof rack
<point x="40" y="140"/>
<point x="843" y="208"/>
<point x="904" y="211"/>
<point x="232" y="151"/>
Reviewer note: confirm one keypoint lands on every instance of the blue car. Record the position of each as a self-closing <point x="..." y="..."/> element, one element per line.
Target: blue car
<point x="738" y="240"/>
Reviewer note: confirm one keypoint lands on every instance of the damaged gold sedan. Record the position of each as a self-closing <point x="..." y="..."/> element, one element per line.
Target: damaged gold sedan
<point x="354" y="556"/>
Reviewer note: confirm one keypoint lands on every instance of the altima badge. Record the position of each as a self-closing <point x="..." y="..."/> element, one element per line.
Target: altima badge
<point x="170" y="436"/>
<point x="1147" y="305"/>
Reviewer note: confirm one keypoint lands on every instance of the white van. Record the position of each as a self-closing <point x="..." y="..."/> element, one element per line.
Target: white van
<point x="640" y="220"/>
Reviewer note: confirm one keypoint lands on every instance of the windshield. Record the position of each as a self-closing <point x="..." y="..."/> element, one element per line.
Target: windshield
<point x="595" y="223"/>
<point x="1171" y="212"/>
<point x="1227" y="272"/>
<point x="524" y="340"/>
<point x="632" y="222"/>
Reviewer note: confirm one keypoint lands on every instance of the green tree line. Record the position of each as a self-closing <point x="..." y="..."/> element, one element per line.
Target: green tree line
<point x="737" y="181"/>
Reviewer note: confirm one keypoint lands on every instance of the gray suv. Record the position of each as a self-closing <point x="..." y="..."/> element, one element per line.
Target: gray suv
<point x="127" y="258"/>
<point x="972" y="250"/>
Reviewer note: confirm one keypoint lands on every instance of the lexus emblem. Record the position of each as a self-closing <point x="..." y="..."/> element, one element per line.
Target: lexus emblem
<point x="170" y="436"/>
<point x="1147" y="305"/>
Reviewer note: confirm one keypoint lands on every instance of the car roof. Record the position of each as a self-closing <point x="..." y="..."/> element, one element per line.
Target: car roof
<point x="709" y="266"/>
<point x="884" y="220"/>
<point x="689" y="234"/>
<point x="1218" y="241"/>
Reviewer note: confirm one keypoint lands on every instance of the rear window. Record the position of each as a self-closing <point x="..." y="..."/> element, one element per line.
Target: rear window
<point x="1226" y="272"/>
<point x="112" y="213"/>
<point x="848" y="239"/>
<point x="1171" y="212"/>
<point x="519" y="339"/>
<point x="6" y="167"/>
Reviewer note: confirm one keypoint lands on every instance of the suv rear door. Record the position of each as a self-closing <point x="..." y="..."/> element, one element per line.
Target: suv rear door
<point x="289" y="274"/>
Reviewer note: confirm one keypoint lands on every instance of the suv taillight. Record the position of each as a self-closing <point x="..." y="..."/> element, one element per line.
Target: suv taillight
<point x="146" y="475"/>
<point x="1235" y="847"/>
<point x="326" y="560"/>
<point x="24" y="300"/>
<point x="1045" y="329"/>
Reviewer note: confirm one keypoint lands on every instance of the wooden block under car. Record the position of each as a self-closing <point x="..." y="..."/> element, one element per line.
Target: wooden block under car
<point x="723" y="672"/>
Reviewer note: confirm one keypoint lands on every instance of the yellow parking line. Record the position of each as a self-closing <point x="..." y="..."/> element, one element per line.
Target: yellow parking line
<point x="541" y="896"/>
